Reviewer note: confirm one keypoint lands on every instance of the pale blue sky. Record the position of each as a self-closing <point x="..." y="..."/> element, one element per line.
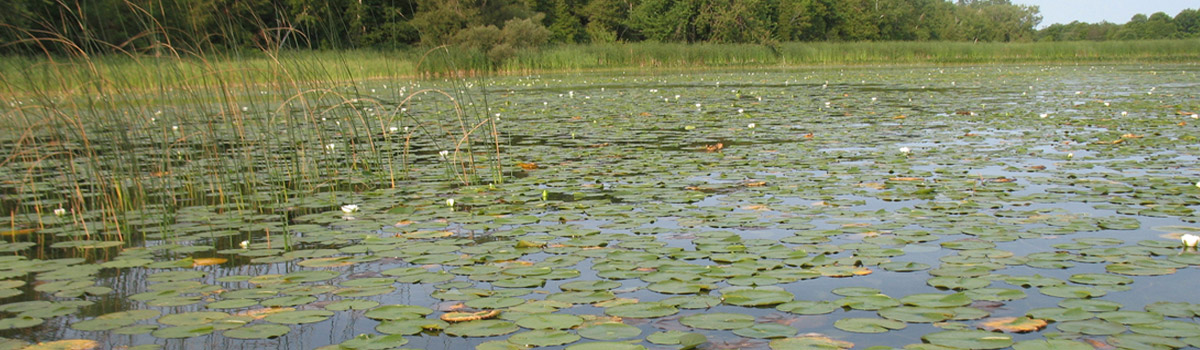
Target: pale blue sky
<point x="1094" y="11"/>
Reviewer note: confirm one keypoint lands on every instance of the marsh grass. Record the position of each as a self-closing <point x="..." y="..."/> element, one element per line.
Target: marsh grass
<point x="124" y="142"/>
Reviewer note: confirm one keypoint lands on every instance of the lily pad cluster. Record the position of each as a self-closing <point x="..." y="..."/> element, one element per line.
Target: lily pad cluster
<point x="963" y="208"/>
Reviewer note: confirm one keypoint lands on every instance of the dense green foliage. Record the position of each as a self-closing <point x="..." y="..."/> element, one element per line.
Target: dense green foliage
<point x="510" y="34"/>
<point x="192" y="25"/>
<point x="1160" y="25"/>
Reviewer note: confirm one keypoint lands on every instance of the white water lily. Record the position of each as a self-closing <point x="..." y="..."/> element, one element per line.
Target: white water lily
<point x="60" y="212"/>
<point x="444" y="154"/>
<point x="330" y="146"/>
<point x="740" y="111"/>
<point x="175" y="127"/>
<point x="393" y="129"/>
<point x="1070" y="155"/>
<point x="1189" y="240"/>
<point x="349" y="208"/>
<point x="1198" y="184"/>
<point x="905" y="150"/>
<point x="1043" y="115"/>
<point x="244" y="244"/>
<point x="245" y="109"/>
<point x="750" y="126"/>
<point x="450" y="202"/>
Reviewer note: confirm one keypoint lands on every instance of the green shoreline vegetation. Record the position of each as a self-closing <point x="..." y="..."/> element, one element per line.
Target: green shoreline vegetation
<point x="23" y="75"/>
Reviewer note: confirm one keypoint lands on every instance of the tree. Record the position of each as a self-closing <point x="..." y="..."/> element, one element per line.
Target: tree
<point x="1188" y="22"/>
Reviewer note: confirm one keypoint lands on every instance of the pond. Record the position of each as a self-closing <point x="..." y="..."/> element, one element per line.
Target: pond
<point x="963" y="207"/>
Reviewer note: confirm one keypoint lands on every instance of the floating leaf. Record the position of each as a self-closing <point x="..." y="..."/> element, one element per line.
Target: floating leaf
<point x="766" y="331"/>
<point x="550" y="321"/>
<point x="642" y="310"/>
<point x="481" y="328"/>
<point x="543" y="337"/>
<point x="868" y="325"/>
<point x="717" y="321"/>
<point x="609" y="331"/>
<point x="969" y="339"/>
<point x="756" y="296"/>
<point x="299" y="316"/>
<point x="809" y="342"/>
<point x="257" y="331"/>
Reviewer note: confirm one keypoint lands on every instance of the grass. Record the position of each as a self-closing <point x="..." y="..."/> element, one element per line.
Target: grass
<point x="140" y="73"/>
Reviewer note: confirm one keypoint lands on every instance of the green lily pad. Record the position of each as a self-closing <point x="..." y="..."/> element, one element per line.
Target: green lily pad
<point x="1091" y="327"/>
<point x="550" y="321"/>
<point x="494" y="302"/>
<point x="806" y="307"/>
<point x="374" y="341"/>
<point x="969" y="339"/>
<point x="351" y="304"/>
<point x="20" y="322"/>
<point x="410" y="326"/>
<point x="1059" y="314"/>
<point x="717" y="321"/>
<point x="766" y="331"/>
<point x="1130" y="317"/>
<point x="642" y="310"/>
<point x="1072" y="291"/>
<point x="756" y="296"/>
<point x="192" y="318"/>
<point x="606" y="346"/>
<point x="1040" y="344"/>
<point x="808" y="343"/>
<point x="397" y="312"/>
<point x="685" y="339"/>
<point x="183" y="331"/>
<point x="543" y="337"/>
<point x="481" y="328"/>
<point x="257" y="331"/>
<point x="299" y="316"/>
<point x="868" y="325"/>
<point x="915" y="314"/>
<point x="609" y="331"/>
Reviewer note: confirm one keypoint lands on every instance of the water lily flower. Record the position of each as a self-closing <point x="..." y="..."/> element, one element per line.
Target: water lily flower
<point x="244" y="244"/>
<point x="1043" y="115"/>
<point x="393" y="129"/>
<point x="349" y="208"/>
<point x="174" y="127"/>
<point x="740" y="111"/>
<point x="60" y="212"/>
<point x="1189" y="240"/>
<point x="905" y="150"/>
<point x="1124" y="113"/>
<point x="330" y="146"/>
<point x="450" y="203"/>
<point x="750" y="126"/>
<point x="1070" y="155"/>
<point x="245" y="109"/>
<point x="1198" y="184"/>
<point x="444" y="154"/>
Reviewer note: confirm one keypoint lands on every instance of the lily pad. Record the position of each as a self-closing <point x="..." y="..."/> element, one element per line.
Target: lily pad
<point x="257" y="331"/>
<point x="868" y="325"/>
<point x="969" y="339"/>
<point x="481" y="328"/>
<point x="717" y="321"/>
<point x="543" y="337"/>
<point x="608" y="331"/>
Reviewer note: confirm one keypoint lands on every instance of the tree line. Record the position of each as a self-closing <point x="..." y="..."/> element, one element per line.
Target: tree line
<point x="499" y="27"/>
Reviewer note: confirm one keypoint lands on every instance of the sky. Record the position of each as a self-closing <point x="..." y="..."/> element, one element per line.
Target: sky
<point x="1094" y="11"/>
